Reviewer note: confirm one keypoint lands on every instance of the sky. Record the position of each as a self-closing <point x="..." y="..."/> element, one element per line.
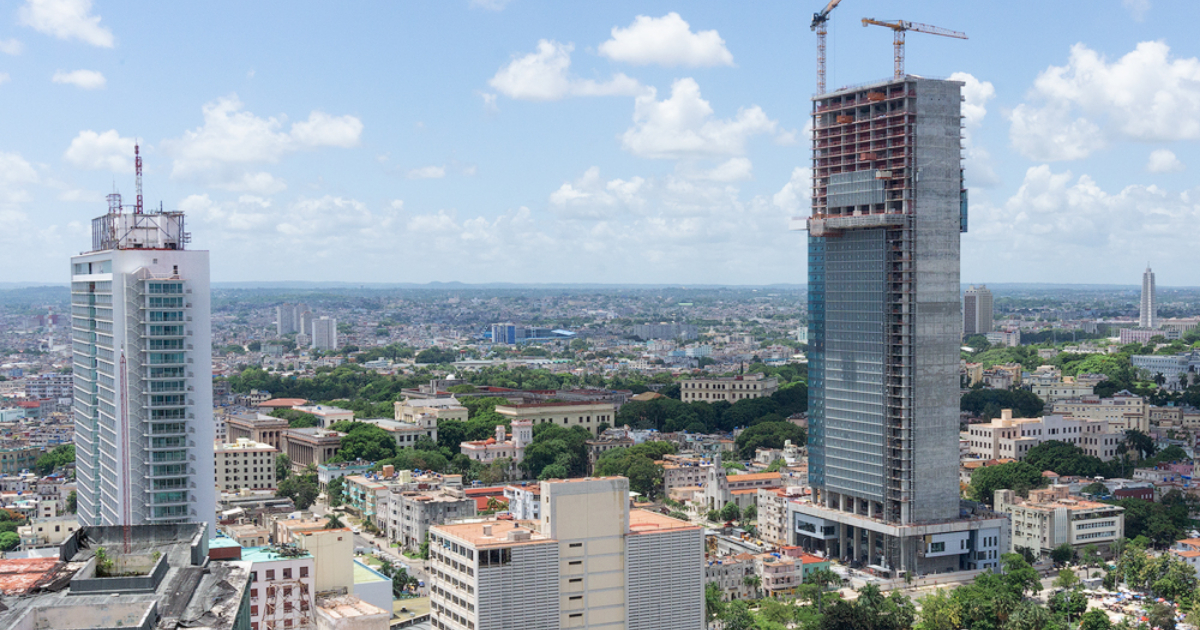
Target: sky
<point x="616" y="142"/>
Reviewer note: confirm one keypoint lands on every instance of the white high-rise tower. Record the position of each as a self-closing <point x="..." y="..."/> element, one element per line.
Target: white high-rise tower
<point x="143" y="373"/>
<point x="1148" y="316"/>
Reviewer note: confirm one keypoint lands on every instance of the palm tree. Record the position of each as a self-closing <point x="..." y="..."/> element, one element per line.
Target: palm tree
<point x="822" y="578"/>
<point x="334" y="522"/>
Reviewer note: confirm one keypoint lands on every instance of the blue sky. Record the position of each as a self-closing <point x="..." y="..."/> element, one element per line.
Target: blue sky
<point x="523" y="141"/>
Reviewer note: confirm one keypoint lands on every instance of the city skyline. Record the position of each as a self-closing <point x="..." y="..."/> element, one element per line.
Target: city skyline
<point x="556" y="135"/>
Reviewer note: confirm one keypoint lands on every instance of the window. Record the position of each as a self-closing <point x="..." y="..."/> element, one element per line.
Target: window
<point x="575" y="562"/>
<point x="937" y="547"/>
<point x="574" y="580"/>
<point x="304" y="570"/>
<point x="574" y="545"/>
<point x="270" y="574"/>
<point x="287" y="573"/>
<point x="575" y="597"/>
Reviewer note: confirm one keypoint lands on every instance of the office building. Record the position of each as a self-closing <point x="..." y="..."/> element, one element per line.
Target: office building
<point x="1124" y="411"/>
<point x="727" y="388"/>
<point x="410" y="513"/>
<point x="143" y="372"/>
<point x="324" y="333"/>
<point x="1170" y="366"/>
<point x="977" y="311"/>
<point x="884" y="332"/>
<point x="310" y="445"/>
<point x="587" y="414"/>
<point x="590" y="562"/>
<point x="285" y="319"/>
<point x="1050" y="517"/>
<point x="1148" y="313"/>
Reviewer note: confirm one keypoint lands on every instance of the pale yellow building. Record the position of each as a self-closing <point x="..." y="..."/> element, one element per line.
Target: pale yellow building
<point x="1051" y="517"/>
<point x="1068" y="388"/>
<point x="1123" y="410"/>
<point x="589" y="562"/>
<point x="333" y="554"/>
<point x="586" y="414"/>
<point x="727" y="388"/>
<point x="1008" y="437"/>
<point x="411" y="410"/>
<point x="244" y="464"/>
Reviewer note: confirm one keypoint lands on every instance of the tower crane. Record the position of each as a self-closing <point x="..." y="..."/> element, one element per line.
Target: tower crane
<point x="899" y="27"/>
<point x="818" y="26"/>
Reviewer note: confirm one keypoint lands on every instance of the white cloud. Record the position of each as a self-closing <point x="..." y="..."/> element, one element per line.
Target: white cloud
<point x="397" y="204"/>
<point x="232" y="136"/>
<point x="101" y="151"/>
<point x="795" y="195"/>
<point x="427" y="172"/>
<point x="83" y="79"/>
<point x="15" y="170"/>
<point x="1062" y="220"/>
<point x="66" y="19"/>
<point x="1163" y="161"/>
<point x="1137" y="8"/>
<point x="732" y="170"/>
<point x="1146" y="95"/>
<point x="4" y="77"/>
<point x="976" y="94"/>
<point x="545" y="76"/>
<point x="683" y="125"/>
<point x="591" y="197"/>
<point x="667" y="41"/>
<point x="261" y="183"/>
<point x="11" y="46"/>
<point x="490" y="5"/>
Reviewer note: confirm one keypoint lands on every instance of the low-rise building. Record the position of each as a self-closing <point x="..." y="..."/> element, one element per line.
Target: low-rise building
<point x="325" y="414"/>
<point x="772" y="514"/>
<point x="1124" y="410"/>
<point x="727" y="388"/>
<point x="408" y="433"/>
<point x="244" y="464"/>
<point x="1008" y="437"/>
<point x="310" y="446"/>
<point x="683" y="472"/>
<point x="1050" y="517"/>
<point x="587" y="414"/>
<point x="257" y="427"/>
<point x="366" y="497"/>
<point x="1067" y="388"/>
<point x="327" y="471"/>
<point x="410" y="514"/>
<point x="41" y="533"/>
<point x="601" y="445"/>
<point x="721" y="488"/>
<point x="730" y="574"/>
<point x="502" y="446"/>
<point x="410" y="410"/>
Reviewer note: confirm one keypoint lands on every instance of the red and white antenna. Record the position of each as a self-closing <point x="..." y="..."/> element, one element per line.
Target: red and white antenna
<point x="137" y="166"/>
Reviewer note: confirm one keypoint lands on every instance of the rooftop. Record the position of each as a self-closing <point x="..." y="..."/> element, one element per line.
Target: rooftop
<point x="647" y="522"/>
<point x="272" y="554"/>
<point x="283" y="403"/>
<point x="21" y="575"/>
<point x="473" y="533"/>
<point x="577" y="403"/>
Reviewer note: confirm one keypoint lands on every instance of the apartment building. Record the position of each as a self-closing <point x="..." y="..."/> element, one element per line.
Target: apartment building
<point x="772" y="514"/>
<point x="587" y="414"/>
<point x="281" y="587"/>
<point x="41" y="533"/>
<point x="1008" y="437"/>
<point x="410" y="514"/>
<point x="524" y="501"/>
<point x="1124" y="410"/>
<point x="324" y="333"/>
<point x="244" y="464"/>
<point x="729" y="573"/>
<point x="408" y="433"/>
<point x="367" y="497"/>
<point x="1051" y="517"/>
<point x="590" y="562"/>
<point x="17" y="459"/>
<point x="683" y="472"/>
<point x="727" y="388"/>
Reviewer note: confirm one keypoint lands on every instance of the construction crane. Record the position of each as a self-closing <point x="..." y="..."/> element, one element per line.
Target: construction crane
<point x="899" y="27"/>
<point x="818" y="26"/>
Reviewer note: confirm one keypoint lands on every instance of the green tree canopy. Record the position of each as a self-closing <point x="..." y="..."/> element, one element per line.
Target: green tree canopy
<point x="1016" y="476"/>
<point x="62" y="455"/>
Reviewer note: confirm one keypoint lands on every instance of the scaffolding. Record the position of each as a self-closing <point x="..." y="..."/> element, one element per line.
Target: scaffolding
<point x="288" y="606"/>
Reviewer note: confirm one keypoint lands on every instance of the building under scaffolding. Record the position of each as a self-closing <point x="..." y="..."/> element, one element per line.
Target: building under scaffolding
<point x="888" y="206"/>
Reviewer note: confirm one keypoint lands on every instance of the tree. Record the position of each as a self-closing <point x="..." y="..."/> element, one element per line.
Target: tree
<point x="62" y="455"/>
<point x="1016" y="476"/>
<point x="938" y="612"/>
<point x="1030" y="615"/>
<point x="553" y="471"/>
<point x="714" y="605"/>
<point x="283" y="467"/>
<point x="1066" y="579"/>
<point x="301" y="489"/>
<point x="737" y="616"/>
<point x="1019" y="575"/>
<point x="9" y="541"/>
<point x="768" y="435"/>
<point x="364" y="441"/>
<point x="730" y="512"/>
<point x="1062" y="554"/>
<point x="1090" y="556"/>
<point x="1161" y="616"/>
<point x="1094" y="488"/>
<point x="72" y="502"/>
<point x="336" y="491"/>
<point x="713" y="516"/>
<point x="750" y="513"/>
<point x="1065" y="459"/>
<point x="821" y="579"/>
<point x="333" y="521"/>
<point x="1139" y="442"/>
<point x="1095" y="619"/>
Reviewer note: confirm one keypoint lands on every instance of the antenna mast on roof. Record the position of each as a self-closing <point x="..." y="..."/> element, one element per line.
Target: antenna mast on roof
<point x="137" y="167"/>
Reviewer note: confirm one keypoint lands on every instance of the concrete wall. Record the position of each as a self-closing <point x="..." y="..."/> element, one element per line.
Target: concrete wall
<point x="938" y="318"/>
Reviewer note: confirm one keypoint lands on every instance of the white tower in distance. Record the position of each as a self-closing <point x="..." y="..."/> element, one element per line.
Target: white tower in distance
<point x="143" y="372"/>
<point x="1148" y="315"/>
